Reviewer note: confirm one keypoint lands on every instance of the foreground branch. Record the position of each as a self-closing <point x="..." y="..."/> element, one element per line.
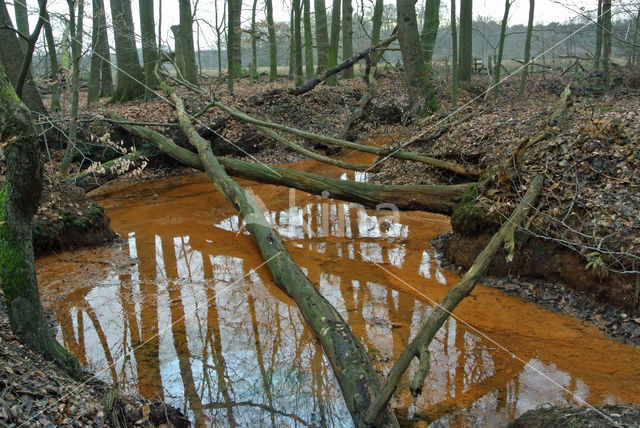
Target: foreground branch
<point x="454" y="296"/>
<point x="354" y="372"/>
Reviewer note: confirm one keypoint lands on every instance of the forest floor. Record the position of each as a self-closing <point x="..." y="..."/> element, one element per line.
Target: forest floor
<point x="592" y="167"/>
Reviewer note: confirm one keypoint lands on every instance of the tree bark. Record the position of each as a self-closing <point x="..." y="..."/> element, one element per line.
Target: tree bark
<point x="606" y="44"/>
<point x="100" y="82"/>
<point x="190" y="71"/>
<point x="430" y="29"/>
<point x="376" y="22"/>
<point x="334" y="41"/>
<point x="527" y="50"/>
<point x="347" y="35"/>
<point x="454" y="56"/>
<point x="149" y="49"/>
<point x="297" y="42"/>
<point x="422" y="98"/>
<point x="254" y="42"/>
<point x="419" y="345"/>
<point x="12" y="58"/>
<point x="465" y="52"/>
<point x="503" y="32"/>
<point x="354" y="372"/>
<point x="75" y="31"/>
<point x="129" y="75"/>
<point x="308" y="41"/>
<point x="273" y="47"/>
<point x="53" y="61"/>
<point x="22" y="21"/>
<point x="19" y="200"/>
<point x="598" y="54"/>
<point x="322" y="35"/>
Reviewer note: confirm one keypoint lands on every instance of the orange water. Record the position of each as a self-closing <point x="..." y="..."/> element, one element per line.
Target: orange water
<point x="186" y="312"/>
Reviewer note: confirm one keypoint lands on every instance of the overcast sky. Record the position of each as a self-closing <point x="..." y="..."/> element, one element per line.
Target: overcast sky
<point x="546" y="11"/>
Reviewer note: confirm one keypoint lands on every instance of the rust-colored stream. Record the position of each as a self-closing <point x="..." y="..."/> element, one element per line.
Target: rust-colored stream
<point x="187" y="312"/>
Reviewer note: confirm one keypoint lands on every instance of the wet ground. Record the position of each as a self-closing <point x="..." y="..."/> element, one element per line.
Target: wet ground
<point x="186" y="311"/>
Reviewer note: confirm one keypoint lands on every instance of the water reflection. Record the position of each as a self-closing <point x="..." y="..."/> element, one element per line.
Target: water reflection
<point x="193" y="321"/>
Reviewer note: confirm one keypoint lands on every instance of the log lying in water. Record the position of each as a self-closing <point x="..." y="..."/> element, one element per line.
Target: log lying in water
<point x="354" y="372"/>
<point x="420" y="344"/>
<point x="433" y="198"/>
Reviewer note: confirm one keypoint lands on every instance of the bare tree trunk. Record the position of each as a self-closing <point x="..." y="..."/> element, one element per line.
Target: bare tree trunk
<point x="254" y="42"/>
<point x="53" y="61"/>
<point x="454" y="56"/>
<point x="465" y="52"/>
<point x="149" y="49"/>
<point x="347" y="35"/>
<point x="322" y="35"/>
<point x="308" y="41"/>
<point x="503" y="32"/>
<point x="376" y="22"/>
<point x="421" y="95"/>
<point x="19" y="200"/>
<point x="606" y="44"/>
<point x="130" y="73"/>
<point x="334" y="41"/>
<point x="273" y="47"/>
<point x="190" y="71"/>
<point x="598" y="54"/>
<point x="297" y="42"/>
<point x="22" y="21"/>
<point x="527" y="50"/>
<point x="75" y="31"/>
<point x="12" y="58"/>
<point x="430" y="29"/>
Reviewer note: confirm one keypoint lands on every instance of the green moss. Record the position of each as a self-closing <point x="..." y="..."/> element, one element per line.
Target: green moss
<point x="470" y="218"/>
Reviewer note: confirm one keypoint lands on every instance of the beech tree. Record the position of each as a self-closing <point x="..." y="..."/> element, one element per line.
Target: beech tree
<point x="190" y="71"/>
<point x="454" y="55"/>
<point x="527" y="50"/>
<point x="308" y="40"/>
<point x="149" y="49"/>
<point x="465" y="53"/>
<point x="421" y="95"/>
<point x="334" y="41"/>
<point x="297" y="42"/>
<point x="322" y="36"/>
<point x="347" y="35"/>
<point x="129" y="75"/>
<point x="498" y="67"/>
<point x="430" y="29"/>
<point x="273" y="47"/>
<point x="606" y="43"/>
<point x="100" y="79"/>
<point x="19" y="200"/>
<point x="234" y="54"/>
<point x="12" y="59"/>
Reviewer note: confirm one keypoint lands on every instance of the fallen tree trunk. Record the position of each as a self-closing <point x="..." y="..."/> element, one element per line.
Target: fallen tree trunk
<point x="419" y="345"/>
<point x="434" y="198"/>
<point x="400" y="154"/>
<point x="354" y="372"/>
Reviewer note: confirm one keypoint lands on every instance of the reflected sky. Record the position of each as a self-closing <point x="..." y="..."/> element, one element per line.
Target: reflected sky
<point x="184" y="312"/>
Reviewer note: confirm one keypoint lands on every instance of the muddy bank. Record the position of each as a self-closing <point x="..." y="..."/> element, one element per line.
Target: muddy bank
<point x="623" y="416"/>
<point x="36" y="393"/>
<point x="67" y="218"/>
<point x="549" y="292"/>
